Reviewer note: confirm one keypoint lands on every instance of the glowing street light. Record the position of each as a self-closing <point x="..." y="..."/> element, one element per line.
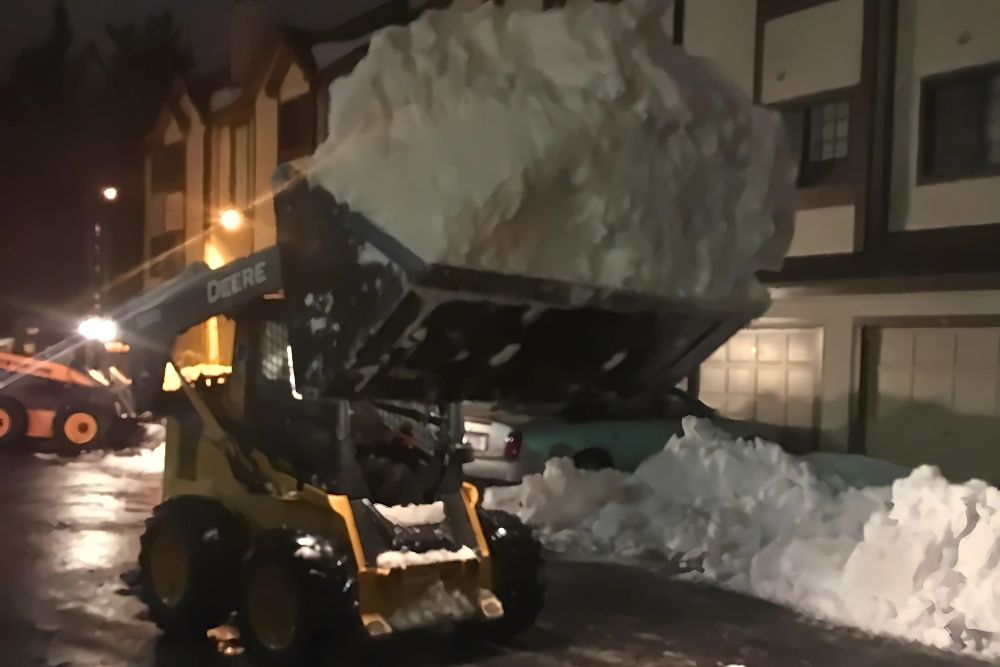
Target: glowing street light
<point x="100" y="329"/>
<point x="110" y="193"/>
<point x="231" y="219"/>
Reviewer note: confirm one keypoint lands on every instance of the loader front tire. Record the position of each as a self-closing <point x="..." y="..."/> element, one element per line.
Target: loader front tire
<point x="517" y="564"/>
<point x="13" y="420"/>
<point x="298" y="596"/>
<point x="80" y="428"/>
<point x="189" y="561"/>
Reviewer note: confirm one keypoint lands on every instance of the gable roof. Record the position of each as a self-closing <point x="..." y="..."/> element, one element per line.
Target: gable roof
<point x="172" y="109"/>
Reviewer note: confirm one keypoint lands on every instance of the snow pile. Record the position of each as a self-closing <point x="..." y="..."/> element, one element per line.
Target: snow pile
<point x="919" y="559"/>
<point x="437" y="604"/>
<point x="412" y="515"/>
<point x="133" y="461"/>
<point x="577" y="144"/>
<point x="562" y="496"/>
<point x="401" y="560"/>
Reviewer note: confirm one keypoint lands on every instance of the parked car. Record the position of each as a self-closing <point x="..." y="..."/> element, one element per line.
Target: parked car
<point x="498" y="454"/>
<point x="506" y="446"/>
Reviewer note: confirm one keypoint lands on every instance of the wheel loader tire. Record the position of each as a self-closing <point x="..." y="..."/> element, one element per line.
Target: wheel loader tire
<point x="189" y="561"/>
<point x="593" y="458"/>
<point x="298" y="596"/>
<point x="13" y="420"/>
<point x="80" y="428"/>
<point x="517" y="564"/>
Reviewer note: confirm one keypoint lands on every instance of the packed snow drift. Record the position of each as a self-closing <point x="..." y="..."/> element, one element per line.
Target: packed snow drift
<point x="919" y="559"/>
<point x="575" y="144"/>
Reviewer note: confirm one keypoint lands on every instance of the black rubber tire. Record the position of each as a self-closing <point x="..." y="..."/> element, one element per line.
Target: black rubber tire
<point x="67" y="447"/>
<point x="593" y="458"/>
<point x="16" y="416"/>
<point x="518" y="569"/>
<point x="324" y="583"/>
<point x="214" y="543"/>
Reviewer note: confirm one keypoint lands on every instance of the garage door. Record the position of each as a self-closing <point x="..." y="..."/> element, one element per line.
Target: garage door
<point x="769" y="376"/>
<point x="931" y="397"/>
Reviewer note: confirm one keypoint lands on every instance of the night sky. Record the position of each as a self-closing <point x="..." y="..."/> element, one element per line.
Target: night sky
<point x="23" y="22"/>
<point x="55" y="166"/>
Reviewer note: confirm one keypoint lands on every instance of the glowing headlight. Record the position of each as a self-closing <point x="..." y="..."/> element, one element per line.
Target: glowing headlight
<point x="98" y="328"/>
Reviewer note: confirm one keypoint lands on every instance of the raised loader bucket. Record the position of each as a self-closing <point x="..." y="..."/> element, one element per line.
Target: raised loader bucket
<point x="370" y="318"/>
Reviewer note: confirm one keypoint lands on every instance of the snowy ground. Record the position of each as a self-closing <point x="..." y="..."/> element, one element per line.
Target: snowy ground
<point x="71" y="530"/>
<point x="917" y="559"/>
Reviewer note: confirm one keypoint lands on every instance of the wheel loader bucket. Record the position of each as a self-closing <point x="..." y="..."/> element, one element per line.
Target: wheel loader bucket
<point x="368" y="317"/>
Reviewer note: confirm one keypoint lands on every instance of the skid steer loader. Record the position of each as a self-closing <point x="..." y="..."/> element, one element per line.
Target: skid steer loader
<point x="280" y="506"/>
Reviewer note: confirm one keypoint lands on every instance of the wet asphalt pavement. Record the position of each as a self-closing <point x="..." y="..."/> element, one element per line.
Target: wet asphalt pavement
<point x="71" y="530"/>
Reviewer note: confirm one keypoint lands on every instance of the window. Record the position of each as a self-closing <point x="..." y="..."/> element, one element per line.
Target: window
<point x="166" y="254"/>
<point x="168" y="168"/>
<point x="828" y="128"/>
<point x="818" y="135"/>
<point x="296" y="127"/>
<point x="960" y="133"/>
<point x="274" y="353"/>
<point x="275" y="375"/>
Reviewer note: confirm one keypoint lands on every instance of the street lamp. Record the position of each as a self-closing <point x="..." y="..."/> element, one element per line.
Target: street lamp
<point x="231" y="219"/>
<point x="110" y="193"/>
<point x="100" y="329"/>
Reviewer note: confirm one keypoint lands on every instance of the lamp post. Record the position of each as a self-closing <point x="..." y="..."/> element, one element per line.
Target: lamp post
<point x="109" y="194"/>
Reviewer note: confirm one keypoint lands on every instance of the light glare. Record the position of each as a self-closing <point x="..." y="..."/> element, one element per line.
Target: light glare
<point x="98" y="328"/>
<point x="231" y="219"/>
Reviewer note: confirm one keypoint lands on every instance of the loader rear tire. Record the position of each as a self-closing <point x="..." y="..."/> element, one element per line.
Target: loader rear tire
<point x="189" y="562"/>
<point x="13" y="420"/>
<point x="298" y="596"/>
<point x="517" y="563"/>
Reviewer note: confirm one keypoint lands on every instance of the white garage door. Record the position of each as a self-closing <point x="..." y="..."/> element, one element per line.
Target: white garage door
<point x="932" y="398"/>
<point x="770" y="376"/>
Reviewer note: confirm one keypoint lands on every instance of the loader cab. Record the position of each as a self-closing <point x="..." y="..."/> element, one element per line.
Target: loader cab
<point x="332" y="441"/>
<point x="262" y="379"/>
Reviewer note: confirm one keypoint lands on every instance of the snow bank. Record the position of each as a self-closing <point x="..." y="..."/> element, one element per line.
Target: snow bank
<point x="412" y="515"/>
<point x="401" y="560"/>
<point x="919" y="560"/>
<point x="577" y="144"/>
<point x="145" y="458"/>
<point x="134" y="461"/>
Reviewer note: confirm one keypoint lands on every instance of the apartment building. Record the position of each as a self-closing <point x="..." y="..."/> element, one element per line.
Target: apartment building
<point x="884" y="333"/>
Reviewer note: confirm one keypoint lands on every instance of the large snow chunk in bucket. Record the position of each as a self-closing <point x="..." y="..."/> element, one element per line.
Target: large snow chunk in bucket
<point x="576" y="144"/>
<point x="530" y="207"/>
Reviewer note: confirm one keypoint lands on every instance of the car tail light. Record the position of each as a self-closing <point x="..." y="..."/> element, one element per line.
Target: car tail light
<point x="512" y="447"/>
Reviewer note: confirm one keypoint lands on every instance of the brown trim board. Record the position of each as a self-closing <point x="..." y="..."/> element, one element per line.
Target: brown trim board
<point x="950" y="254"/>
<point x="876" y="98"/>
<point x="890" y="285"/>
<point x="678" y="27"/>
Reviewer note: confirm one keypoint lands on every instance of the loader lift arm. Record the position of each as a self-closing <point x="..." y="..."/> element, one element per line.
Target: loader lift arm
<point x="152" y="322"/>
